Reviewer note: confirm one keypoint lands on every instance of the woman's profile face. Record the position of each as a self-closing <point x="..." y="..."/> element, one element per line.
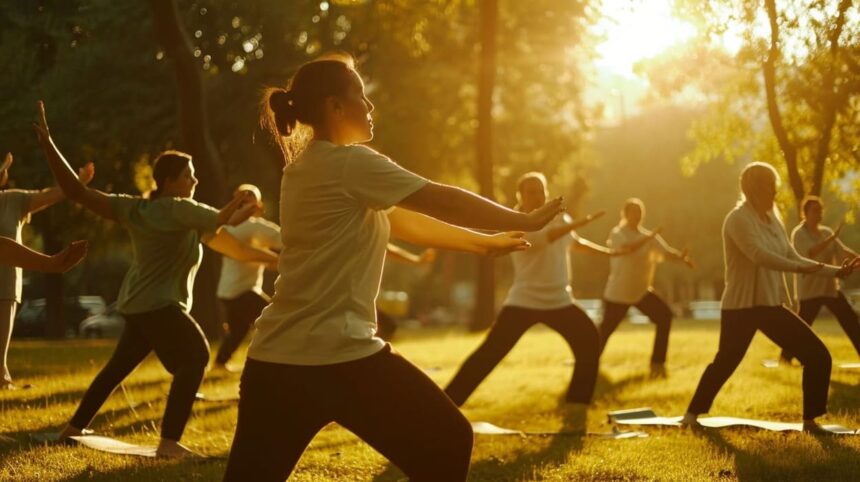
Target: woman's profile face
<point x="355" y="122"/>
<point x="183" y="185"/>
<point x="767" y="191"/>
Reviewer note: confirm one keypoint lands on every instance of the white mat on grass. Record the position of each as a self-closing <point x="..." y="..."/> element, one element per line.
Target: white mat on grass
<point x="646" y="416"/>
<point x="487" y="428"/>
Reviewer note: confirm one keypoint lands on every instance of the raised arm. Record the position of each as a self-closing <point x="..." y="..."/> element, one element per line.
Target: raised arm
<point x="227" y="244"/>
<point x="52" y="195"/>
<point x="819" y="247"/>
<point x="14" y="254"/>
<point x="463" y="208"/>
<point x="423" y="230"/>
<point x="71" y="186"/>
<point x="557" y="232"/>
<point x="682" y="256"/>
<point x="585" y="245"/>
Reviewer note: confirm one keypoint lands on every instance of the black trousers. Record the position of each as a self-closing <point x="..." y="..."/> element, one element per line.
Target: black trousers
<point x="242" y="311"/>
<point x="180" y="346"/>
<point x="841" y="309"/>
<point x="570" y="322"/>
<point x="384" y="399"/>
<point x="784" y="328"/>
<point x="651" y="306"/>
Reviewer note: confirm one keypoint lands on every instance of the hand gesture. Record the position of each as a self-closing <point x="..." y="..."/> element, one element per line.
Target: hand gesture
<point x="504" y="243"/>
<point x="67" y="258"/>
<point x="243" y="205"/>
<point x="427" y="257"/>
<point x="86" y="173"/>
<point x="685" y="257"/>
<point x="539" y="218"/>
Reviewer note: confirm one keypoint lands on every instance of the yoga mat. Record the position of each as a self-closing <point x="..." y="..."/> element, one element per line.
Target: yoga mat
<point x="487" y="428"/>
<point x="646" y="416"/>
<point x="775" y="364"/>
<point x="849" y="366"/>
<point x="114" y="446"/>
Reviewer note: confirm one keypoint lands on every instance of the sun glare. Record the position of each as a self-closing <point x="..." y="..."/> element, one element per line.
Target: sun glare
<point x="633" y="31"/>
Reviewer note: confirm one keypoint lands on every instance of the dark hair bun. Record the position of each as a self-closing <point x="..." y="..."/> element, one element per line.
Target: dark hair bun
<point x="282" y="105"/>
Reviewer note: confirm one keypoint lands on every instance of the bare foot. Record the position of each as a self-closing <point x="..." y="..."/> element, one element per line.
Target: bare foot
<point x="691" y="421"/>
<point x="658" y="370"/>
<point x="172" y="449"/>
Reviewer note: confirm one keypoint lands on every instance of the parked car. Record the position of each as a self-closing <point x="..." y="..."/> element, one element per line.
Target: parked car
<point x="32" y="318"/>
<point x="107" y="324"/>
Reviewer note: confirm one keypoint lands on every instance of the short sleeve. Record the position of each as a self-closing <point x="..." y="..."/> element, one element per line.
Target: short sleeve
<point x="801" y="241"/>
<point x="19" y="202"/>
<point x="377" y="181"/>
<point x="122" y="206"/>
<point x="189" y="214"/>
<point x="268" y="233"/>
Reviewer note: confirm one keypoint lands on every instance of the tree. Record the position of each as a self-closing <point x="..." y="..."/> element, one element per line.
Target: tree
<point x="791" y="91"/>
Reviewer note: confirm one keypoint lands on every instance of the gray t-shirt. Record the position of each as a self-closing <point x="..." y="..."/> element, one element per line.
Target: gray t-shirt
<point x="810" y="286"/>
<point x="165" y="237"/>
<point x="334" y="230"/>
<point x="14" y="212"/>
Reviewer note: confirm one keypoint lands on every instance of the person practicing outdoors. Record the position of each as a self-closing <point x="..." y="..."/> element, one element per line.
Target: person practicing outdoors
<point x="314" y="357"/>
<point x="820" y="243"/>
<point x="631" y="277"/>
<point x="16" y="206"/>
<point x="541" y="293"/>
<point x="757" y="252"/>
<point x="155" y="297"/>
<point x="386" y="325"/>
<point x="240" y="287"/>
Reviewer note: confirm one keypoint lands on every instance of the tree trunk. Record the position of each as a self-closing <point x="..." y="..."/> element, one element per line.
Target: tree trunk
<point x="197" y="141"/>
<point x="485" y="294"/>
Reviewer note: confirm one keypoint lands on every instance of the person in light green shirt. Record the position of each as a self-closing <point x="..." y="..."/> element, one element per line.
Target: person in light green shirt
<point x="166" y="230"/>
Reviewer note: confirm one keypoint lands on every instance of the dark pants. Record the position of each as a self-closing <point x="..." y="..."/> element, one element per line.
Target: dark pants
<point x="651" y="306"/>
<point x="784" y="328"/>
<point x="841" y="309"/>
<point x="385" y="326"/>
<point x="242" y="311"/>
<point x="180" y="346"/>
<point x="570" y="322"/>
<point x="383" y="399"/>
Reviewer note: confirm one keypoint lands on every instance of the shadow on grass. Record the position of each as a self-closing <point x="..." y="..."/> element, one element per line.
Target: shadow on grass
<point x="752" y="466"/>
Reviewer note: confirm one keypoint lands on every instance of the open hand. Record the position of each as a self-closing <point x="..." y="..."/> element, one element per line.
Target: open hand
<point x="67" y="258"/>
<point x="539" y="218"/>
<point x="41" y="128"/>
<point x="685" y="257"/>
<point x="427" y="257"/>
<point x="504" y="243"/>
<point x="243" y="205"/>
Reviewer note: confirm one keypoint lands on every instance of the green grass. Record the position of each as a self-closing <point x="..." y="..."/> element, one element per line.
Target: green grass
<point x="523" y="392"/>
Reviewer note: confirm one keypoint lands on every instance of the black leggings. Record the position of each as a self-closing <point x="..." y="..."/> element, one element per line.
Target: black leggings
<point x="570" y="322"/>
<point x="651" y="306"/>
<point x="384" y="399"/>
<point x="242" y="311"/>
<point x="841" y="309"/>
<point x="180" y="346"/>
<point x="787" y="330"/>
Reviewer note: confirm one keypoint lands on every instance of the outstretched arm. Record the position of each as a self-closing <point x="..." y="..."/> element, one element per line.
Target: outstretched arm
<point x="463" y="208"/>
<point x="227" y="244"/>
<point x="399" y="254"/>
<point x="417" y="228"/>
<point x="582" y="244"/>
<point x="562" y="230"/>
<point x="71" y="186"/>
<point x="14" y="254"/>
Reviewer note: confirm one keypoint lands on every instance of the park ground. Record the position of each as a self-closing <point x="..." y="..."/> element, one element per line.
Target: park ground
<point x="522" y="393"/>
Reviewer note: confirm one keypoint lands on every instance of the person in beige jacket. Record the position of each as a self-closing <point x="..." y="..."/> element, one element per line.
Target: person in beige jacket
<point x="757" y="252"/>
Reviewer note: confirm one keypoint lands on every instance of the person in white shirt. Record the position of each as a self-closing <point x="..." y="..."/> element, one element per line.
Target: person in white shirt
<point x="314" y="357"/>
<point x="541" y="293"/>
<point x="16" y="206"/>
<point x="757" y="252"/>
<point x="240" y="286"/>
<point x="818" y="242"/>
<point x="630" y="279"/>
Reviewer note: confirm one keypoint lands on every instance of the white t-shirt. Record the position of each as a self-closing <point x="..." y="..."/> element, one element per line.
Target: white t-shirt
<point x="541" y="278"/>
<point x="335" y="230"/>
<point x="757" y="253"/>
<point x="809" y="285"/>
<point x="238" y="277"/>
<point x="631" y="275"/>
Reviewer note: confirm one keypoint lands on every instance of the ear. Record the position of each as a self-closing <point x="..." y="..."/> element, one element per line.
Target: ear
<point x="334" y="106"/>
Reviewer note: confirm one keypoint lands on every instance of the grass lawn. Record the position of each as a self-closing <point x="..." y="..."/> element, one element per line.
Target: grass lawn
<point x="522" y="393"/>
